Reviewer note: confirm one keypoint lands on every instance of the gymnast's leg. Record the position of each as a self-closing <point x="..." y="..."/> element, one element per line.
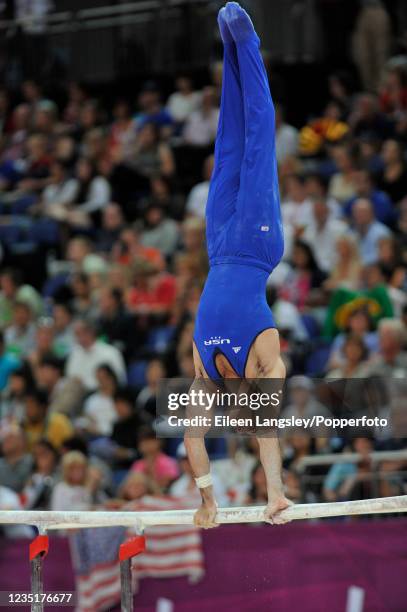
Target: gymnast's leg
<point x="229" y="147"/>
<point x="258" y="204"/>
<point x="258" y="209"/>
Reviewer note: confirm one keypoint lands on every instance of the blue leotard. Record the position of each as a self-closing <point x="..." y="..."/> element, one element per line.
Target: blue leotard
<point x="243" y="220"/>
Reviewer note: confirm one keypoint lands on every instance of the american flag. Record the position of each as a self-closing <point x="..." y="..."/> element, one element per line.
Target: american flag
<point x="96" y="566"/>
<point x="171" y="550"/>
<point x="174" y="550"/>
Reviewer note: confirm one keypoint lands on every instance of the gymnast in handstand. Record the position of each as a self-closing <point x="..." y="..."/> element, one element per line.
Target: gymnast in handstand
<point x="235" y="334"/>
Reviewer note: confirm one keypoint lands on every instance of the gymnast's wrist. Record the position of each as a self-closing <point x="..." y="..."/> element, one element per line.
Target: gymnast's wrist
<point x="204" y="482"/>
<point x="208" y="498"/>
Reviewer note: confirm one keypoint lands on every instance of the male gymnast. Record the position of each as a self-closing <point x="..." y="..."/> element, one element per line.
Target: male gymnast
<point x="235" y="334"/>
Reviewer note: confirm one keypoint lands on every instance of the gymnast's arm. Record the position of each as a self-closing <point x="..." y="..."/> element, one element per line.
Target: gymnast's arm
<point x="198" y="457"/>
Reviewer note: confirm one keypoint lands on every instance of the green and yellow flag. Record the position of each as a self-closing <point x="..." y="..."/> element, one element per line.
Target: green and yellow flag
<point x="345" y="301"/>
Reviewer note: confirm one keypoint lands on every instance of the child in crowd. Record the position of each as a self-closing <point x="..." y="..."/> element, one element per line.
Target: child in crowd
<point x="75" y="491"/>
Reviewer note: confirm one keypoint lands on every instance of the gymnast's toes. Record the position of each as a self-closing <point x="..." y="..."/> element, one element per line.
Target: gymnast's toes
<point x="234" y="12"/>
<point x="239" y="22"/>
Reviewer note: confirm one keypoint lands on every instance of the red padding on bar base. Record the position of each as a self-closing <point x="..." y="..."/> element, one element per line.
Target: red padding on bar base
<point x="132" y="547"/>
<point x="39" y="547"/>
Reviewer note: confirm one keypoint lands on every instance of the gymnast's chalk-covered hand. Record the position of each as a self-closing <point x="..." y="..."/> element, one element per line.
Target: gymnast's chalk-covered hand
<point x="273" y="510"/>
<point x="205" y="516"/>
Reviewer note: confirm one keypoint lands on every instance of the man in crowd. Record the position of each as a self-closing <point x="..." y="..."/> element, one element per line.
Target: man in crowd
<point x="391" y="361"/>
<point x="16" y="463"/>
<point x="88" y="353"/>
<point x="368" y="230"/>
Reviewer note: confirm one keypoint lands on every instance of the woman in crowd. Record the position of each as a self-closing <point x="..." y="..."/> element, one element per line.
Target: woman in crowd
<point x="38" y="490"/>
<point x="94" y="190"/>
<point x="122" y="134"/>
<point x="99" y="411"/>
<point x="390" y="254"/>
<point x="342" y="186"/>
<point x="159" y="230"/>
<point x="82" y="303"/>
<point x="393" y="179"/>
<point x="164" y="196"/>
<point x="61" y="191"/>
<point x="153" y="292"/>
<point x="355" y="354"/>
<point x="146" y="399"/>
<point x="44" y="342"/>
<point x="393" y="95"/>
<point x="183" y="102"/>
<point x="13" y="397"/>
<point x="150" y="156"/>
<point x="348" y="268"/>
<point x="80" y="487"/>
<point x="304" y="277"/>
<point x="359" y="324"/>
<point x="161" y="469"/>
<point x="93" y="193"/>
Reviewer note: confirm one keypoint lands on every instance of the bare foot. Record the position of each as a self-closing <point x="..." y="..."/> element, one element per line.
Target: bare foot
<point x="205" y="516"/>
<point x="272" y="513"/>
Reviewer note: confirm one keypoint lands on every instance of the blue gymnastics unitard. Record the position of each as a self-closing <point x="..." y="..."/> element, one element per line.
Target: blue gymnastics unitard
<point x="243" y="219"/>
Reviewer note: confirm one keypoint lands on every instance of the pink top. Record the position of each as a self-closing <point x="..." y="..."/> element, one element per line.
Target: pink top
<point x="164" y="467"/>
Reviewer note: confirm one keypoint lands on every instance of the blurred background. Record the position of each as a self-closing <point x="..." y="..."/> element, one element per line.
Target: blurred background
<point x="303" y="39"/>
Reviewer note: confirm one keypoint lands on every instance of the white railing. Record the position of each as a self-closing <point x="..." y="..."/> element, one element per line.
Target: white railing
<point x="332" y="458"/>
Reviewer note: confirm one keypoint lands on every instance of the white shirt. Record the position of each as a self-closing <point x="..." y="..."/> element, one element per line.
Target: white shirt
<point x="69" y="497"/>
<point x="200" y="129"/>
<point x="181" y="488"/>
<point x="64" y="193"/>
<point x="298" y="215"/>
<point x="100" y="410"/>
<point x="197" y="199"/>
<point x="98" y="196"/>
<point x="286" y="316"/>
<point x="181" y="106"/>
<point x="369" y="241"/>
<point x="83" y="363"/>
<point x="322" y="241"/>
<point x="163" y="237"/>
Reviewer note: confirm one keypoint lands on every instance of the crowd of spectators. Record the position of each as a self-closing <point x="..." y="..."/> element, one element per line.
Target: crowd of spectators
<point x="102" y="233"/>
